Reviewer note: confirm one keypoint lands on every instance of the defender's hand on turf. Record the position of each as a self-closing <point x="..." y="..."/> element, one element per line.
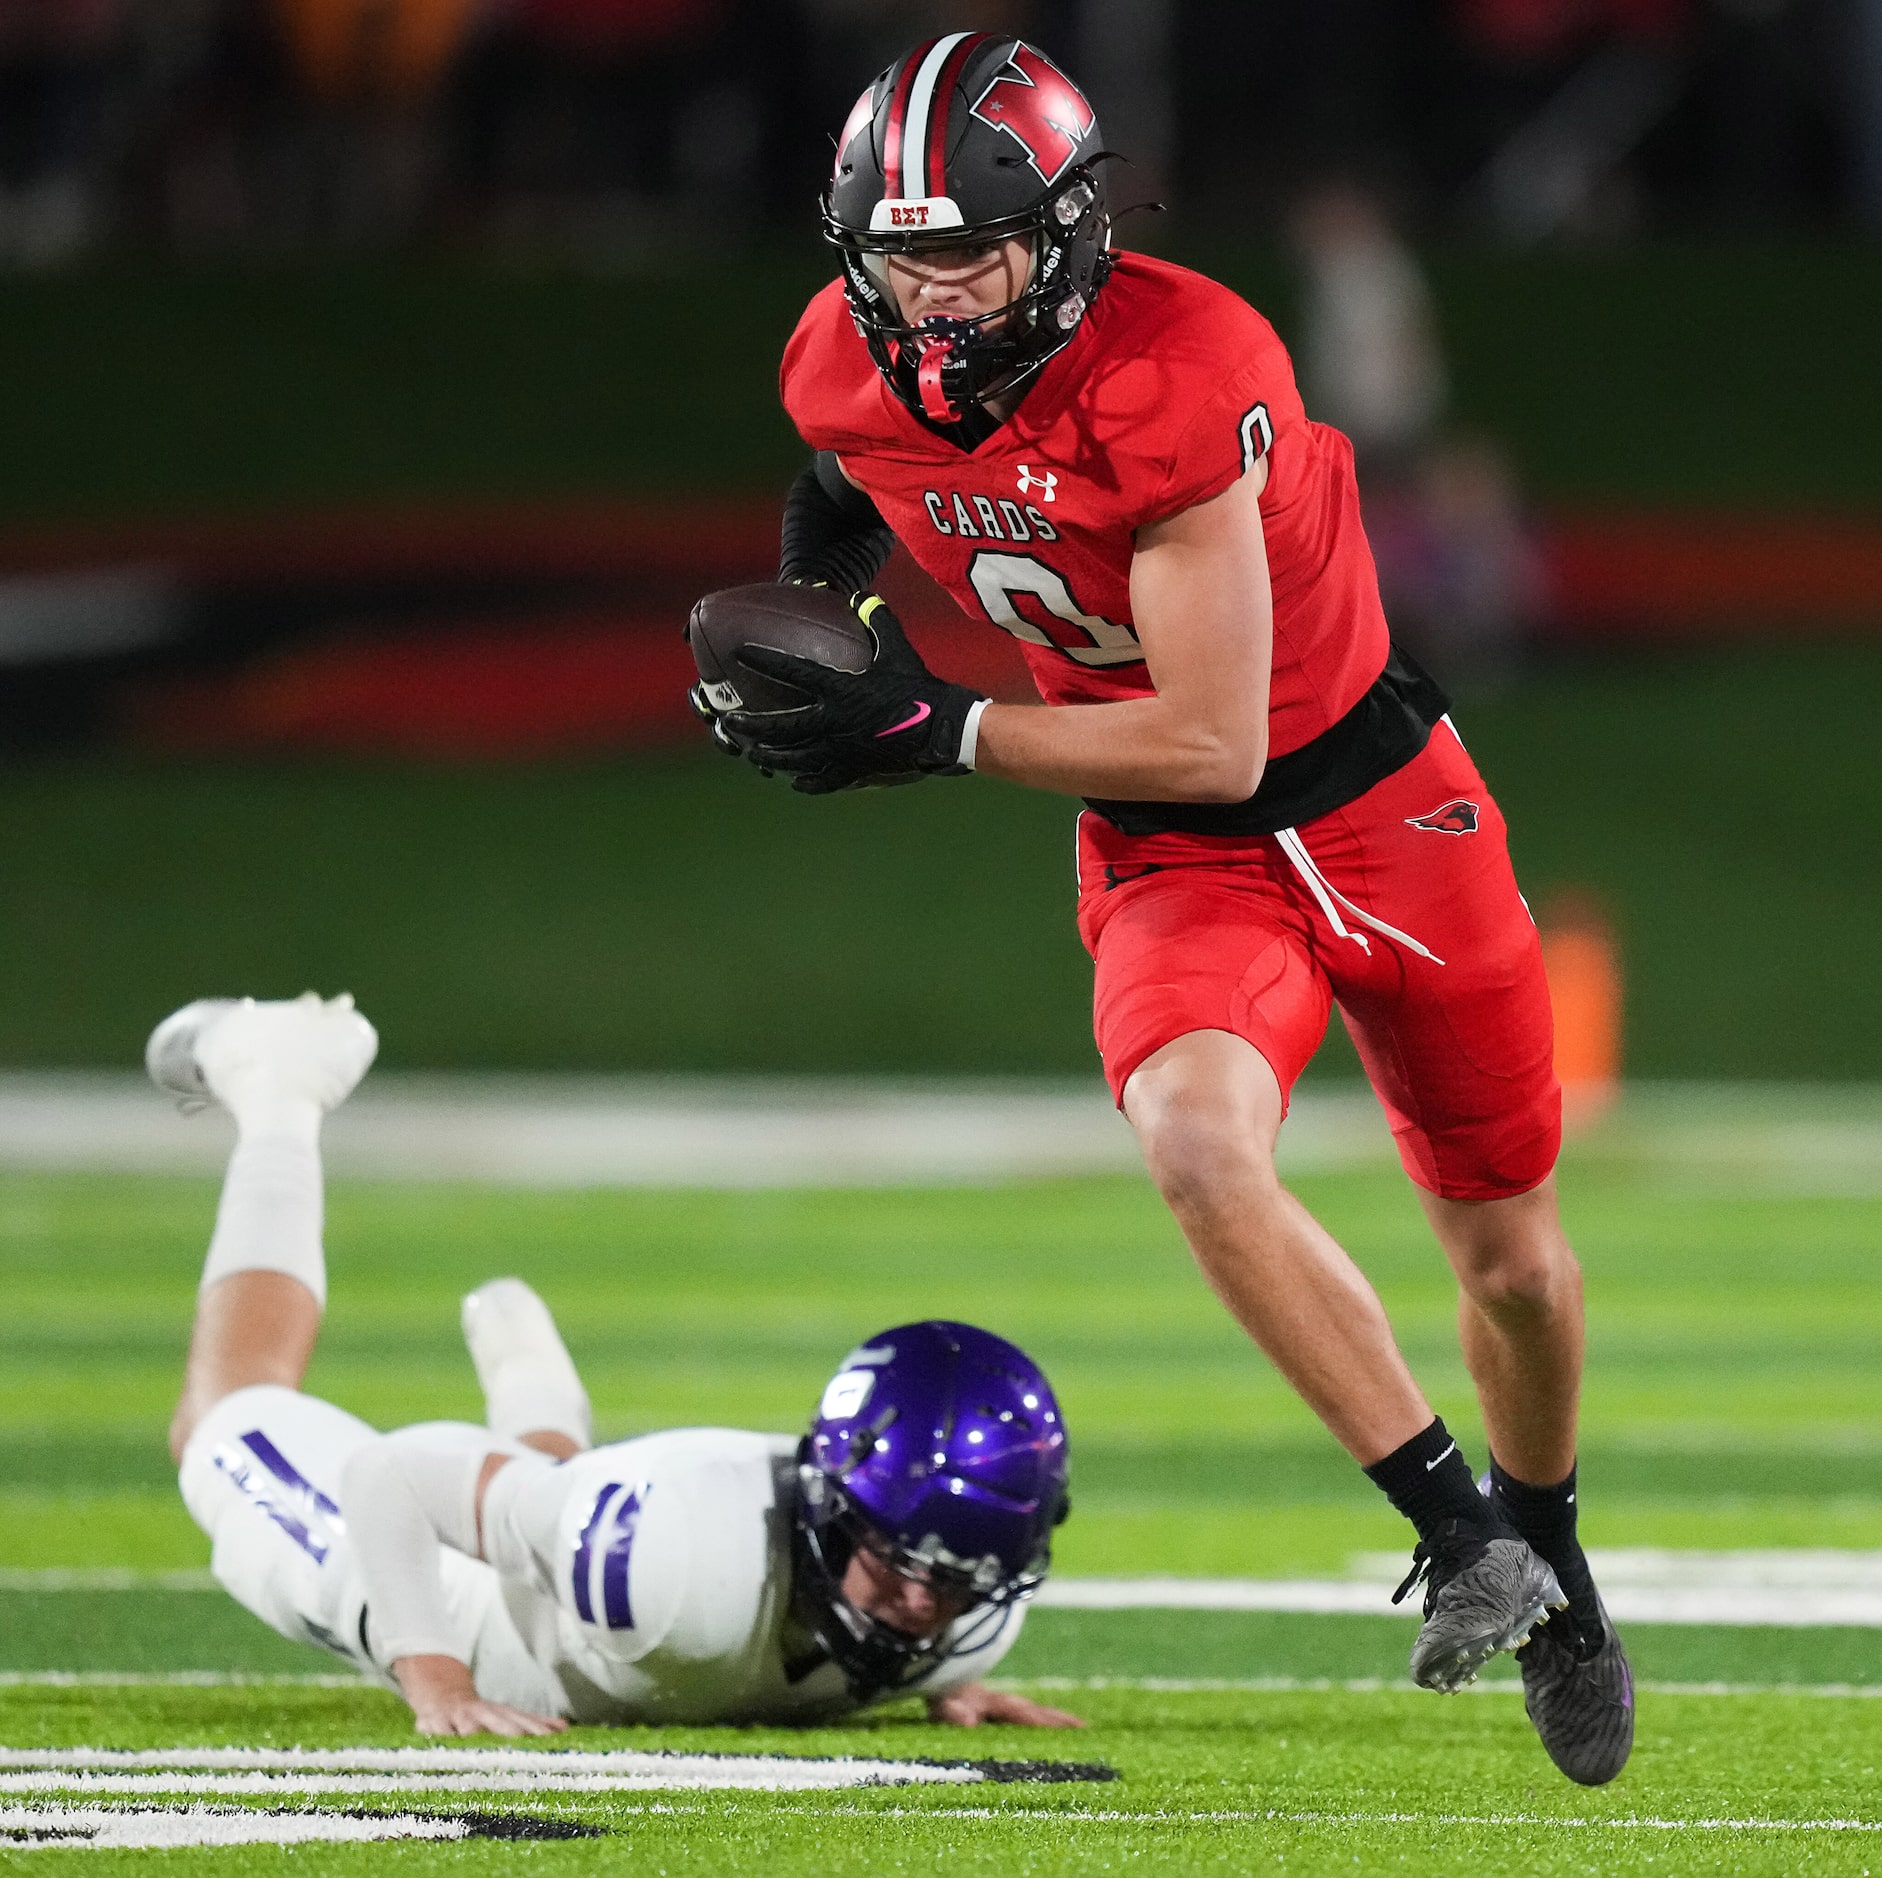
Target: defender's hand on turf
<point x="894" y="721"/>
<point x="976" y="1703"/>
<point x="445" y="1702"/>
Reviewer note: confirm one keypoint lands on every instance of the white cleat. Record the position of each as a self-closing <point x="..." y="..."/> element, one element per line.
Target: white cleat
<point x="170" y="1055"/>
<point x="220" y="1049"/>
<point x="529" y="1380"/>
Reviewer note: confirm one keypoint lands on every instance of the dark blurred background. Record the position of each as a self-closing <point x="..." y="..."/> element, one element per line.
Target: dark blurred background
<point x="380" y="380"/>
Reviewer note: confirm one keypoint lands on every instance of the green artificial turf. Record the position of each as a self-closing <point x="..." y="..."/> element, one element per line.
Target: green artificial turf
<point x="681" y="914"/>
<point x="1733" y="1400"/>
<point x="1316" y="1781"/>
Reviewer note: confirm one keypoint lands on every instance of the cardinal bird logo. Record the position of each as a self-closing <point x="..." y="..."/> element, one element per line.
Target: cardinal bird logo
<point x="1039" y="108"/>
<point x="1455" y="818"/>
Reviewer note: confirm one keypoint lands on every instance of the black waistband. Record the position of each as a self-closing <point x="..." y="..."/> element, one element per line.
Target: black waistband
<point x="1380" y="734"/>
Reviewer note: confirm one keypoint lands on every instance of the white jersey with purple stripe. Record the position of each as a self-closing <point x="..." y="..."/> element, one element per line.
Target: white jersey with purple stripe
<point x="652" y="1579"/>
<point x="644" y="1581"/>
<point x="261" y="1477"/>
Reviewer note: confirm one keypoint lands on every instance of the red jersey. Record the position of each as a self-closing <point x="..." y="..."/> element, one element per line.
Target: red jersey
<point x="1173" y="388"/>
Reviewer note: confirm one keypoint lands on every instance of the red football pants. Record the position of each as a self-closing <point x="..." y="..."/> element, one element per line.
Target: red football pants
<point x="1402" y="908"/>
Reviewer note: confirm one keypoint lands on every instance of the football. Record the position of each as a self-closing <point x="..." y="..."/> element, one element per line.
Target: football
<point x="812" y="622"/>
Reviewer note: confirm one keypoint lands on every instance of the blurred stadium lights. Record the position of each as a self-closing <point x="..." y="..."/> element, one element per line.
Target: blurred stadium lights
<point x="1865" y="82"/>
<point x="599" y="125"/>
<point x="1546" y="176"/>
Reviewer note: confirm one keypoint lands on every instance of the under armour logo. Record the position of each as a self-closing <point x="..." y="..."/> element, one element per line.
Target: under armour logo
<point x="1047" y="482"/>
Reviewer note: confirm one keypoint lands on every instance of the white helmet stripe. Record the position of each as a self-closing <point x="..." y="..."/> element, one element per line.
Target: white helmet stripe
<point x="915" y="124"/>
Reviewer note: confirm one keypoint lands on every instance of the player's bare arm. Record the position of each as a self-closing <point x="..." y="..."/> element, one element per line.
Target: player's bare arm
<point x="1203" y="629"/>
<point x="1200" y="601"/>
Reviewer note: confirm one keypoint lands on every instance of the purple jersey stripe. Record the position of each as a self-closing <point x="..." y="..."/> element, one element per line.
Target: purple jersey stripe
<point x="615" y="1607"/>
<point x="284" y="1470"/>
<point x="285" y="1496"/>
<point x="584" y="1551"/>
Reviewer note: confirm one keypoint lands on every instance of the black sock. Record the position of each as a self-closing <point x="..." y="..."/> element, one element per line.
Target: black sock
<point x="1429" y="1481"/>
<point x="1545" y="1516"/>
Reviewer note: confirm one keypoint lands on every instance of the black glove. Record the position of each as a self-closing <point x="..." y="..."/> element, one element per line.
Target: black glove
<point x="892" y="722"/>
<point x="712" y="713"/>
<point x="713" y="718"/>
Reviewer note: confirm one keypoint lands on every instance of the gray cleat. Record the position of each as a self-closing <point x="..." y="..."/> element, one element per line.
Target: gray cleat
<point x="1582" y="1705"/>
<point x="170" y="1055"/>
<point x="1485" y="1591"/>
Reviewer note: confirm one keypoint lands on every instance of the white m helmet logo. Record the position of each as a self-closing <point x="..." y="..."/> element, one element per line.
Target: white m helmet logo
<point x="1046" y="482"/>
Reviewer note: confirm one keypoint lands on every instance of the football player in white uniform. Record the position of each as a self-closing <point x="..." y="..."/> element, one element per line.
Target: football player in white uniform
<point x="508" y="1578"/>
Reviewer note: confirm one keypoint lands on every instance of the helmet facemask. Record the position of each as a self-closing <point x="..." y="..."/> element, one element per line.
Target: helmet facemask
<point x="941" y="365"/>
<point x="939" y="1451"/>
<point x="876" y="1656"/>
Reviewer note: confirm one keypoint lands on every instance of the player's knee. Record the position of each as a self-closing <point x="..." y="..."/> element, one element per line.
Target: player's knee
<point x="1511" y="1256"/>
<point x="1202" y="1154"/>
<point x="1521" y="1276"/>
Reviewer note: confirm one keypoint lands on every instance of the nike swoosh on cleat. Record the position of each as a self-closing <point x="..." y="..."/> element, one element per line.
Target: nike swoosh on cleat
<point x="1442" y="1458"/>
<point x="907" y="723"/>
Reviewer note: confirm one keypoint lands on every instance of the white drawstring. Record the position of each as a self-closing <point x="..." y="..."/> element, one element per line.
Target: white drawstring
<point x="1331" y="900"/>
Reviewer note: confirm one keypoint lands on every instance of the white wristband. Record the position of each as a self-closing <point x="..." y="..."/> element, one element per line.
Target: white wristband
<point x="970" y="732"/>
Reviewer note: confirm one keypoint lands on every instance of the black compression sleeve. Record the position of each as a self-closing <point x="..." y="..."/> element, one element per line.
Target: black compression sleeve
<point x="832" y="531"/>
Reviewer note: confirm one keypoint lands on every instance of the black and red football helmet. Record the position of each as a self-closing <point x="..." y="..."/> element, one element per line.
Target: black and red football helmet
<point x="968" y="141"/>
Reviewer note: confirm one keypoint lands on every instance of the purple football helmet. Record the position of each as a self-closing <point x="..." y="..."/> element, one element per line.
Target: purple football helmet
<point x="941" y="1448"/>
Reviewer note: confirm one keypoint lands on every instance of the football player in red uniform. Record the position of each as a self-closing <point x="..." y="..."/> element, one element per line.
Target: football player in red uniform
<point x="1106" y="456"/>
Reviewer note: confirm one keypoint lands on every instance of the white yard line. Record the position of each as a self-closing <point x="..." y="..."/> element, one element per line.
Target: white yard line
<point x="1280" y="1816"/>
<point x="551" y="1131"/>
<point x="290" y="1772"/>
<point x="183" y="1679"/>
<point x="1385" y="1685"/>
<point x="1796" y="1604"/>
<point x="1805" y="1589"/>
<point x="554" y="1131"/>
<point x="781" y="1776"/>
<point x="1662" y="1568"/>
<point x="103" y="1578"/>
<point x="113" y="1828"/>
